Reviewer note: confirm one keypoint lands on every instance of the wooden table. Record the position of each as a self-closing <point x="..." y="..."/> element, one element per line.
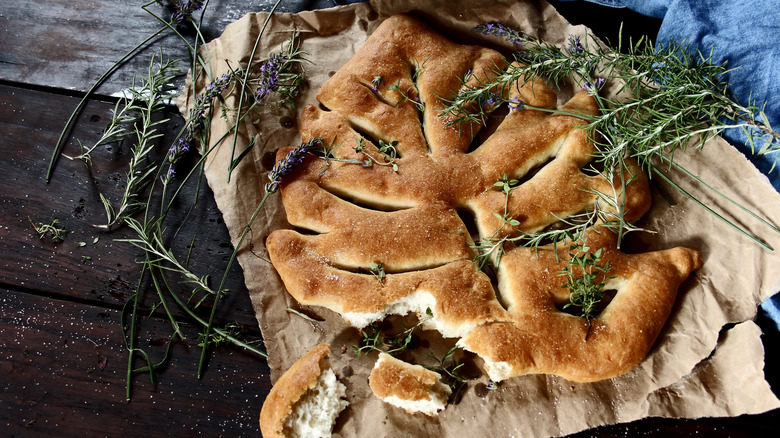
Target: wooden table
<point x="63" y="363"/>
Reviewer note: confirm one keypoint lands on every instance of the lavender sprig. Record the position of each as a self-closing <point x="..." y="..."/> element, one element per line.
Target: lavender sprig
<point x="197" y="120"/>
<point x="575" y="46"/>
<point x="502" y="31"/>
<point x="269" y="74"/>
<point x="286" y="165"/>
<point x="183" y="9"/>
<point x="281" y="74"/>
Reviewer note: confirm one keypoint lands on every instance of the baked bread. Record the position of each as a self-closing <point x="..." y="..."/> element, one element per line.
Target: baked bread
<point x="306" y="400"/>
<point x="410" y="387"/>
<point x="408" y="217"/>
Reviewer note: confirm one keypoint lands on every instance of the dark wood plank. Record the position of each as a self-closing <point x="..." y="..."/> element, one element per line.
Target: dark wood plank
<point x="69" y="44"/>
<point x="30" y="122"/>
<point x="64" y="369"/>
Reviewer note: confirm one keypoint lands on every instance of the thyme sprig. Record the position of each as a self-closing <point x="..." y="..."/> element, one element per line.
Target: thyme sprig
<point x="388" y="151"/>
<point x="378" y="271"/>
<point x="374" y="339"/>
<point x="450" y="369"/>
<point x="585" y="278"/>
<point x="493" y="247"/>
<point x="409" y="94"/>
<point x="52" y="228"/>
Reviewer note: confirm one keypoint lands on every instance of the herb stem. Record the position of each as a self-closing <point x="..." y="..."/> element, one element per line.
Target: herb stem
<point x="753" y="238"/>
<point x="210" y="324"/>
<point x="244" y="81"/>
<point x="721" y="194"/>
<point x="88" y="94"/>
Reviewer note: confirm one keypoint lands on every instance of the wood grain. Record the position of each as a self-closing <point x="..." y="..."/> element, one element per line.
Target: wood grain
<point x="69" y="44"/>
<point x="30" y="121"/>
<point x="64" y="372"/>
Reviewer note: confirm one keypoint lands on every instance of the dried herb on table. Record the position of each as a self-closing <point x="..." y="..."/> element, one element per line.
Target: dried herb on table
<point x="275" y="80"/>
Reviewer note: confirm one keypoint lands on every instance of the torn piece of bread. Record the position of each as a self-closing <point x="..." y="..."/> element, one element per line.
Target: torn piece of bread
<point x="306" y="400"/>
<point x="412" y="388"/>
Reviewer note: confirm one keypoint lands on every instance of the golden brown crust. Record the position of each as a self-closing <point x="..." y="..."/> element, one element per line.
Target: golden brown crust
<point x="408" y="218"/>
<point x="394" y="378"/>
<point x="544" y="339"/>
<point x="290" y="388"/>
<point x="408" y="385"/>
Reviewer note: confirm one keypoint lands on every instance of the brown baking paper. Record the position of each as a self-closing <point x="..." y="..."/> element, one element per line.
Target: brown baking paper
<point x="707" y="362"/>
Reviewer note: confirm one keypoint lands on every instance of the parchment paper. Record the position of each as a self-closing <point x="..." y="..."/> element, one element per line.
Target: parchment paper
<point x="707" y="362"/>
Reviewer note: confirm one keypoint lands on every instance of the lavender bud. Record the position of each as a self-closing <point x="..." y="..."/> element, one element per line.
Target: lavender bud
<point x="515" y="104"/>
<point x="593" y="88"/>
<point x="575" y="46"/>
<point x="286" y="165"/>
<point x="500" y="30"/>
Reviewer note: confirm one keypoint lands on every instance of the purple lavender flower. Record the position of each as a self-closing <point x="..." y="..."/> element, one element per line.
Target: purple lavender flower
<point x="203" y="102"/>
<point x="515" y="104"/>
<point x="593" y="89"/>
<point x="375" y="83"/>
<point x="197" y="120"/>
<point x="183" y="9"/>
<point x="269" y="76"/>
<point x="286" y="165"/>
<point x="178" y="149"/>
<point x="575" y="46"/>
<point x="170" y="175"/>
<point x="491" y="100"/>
<point x="500" y="30"/>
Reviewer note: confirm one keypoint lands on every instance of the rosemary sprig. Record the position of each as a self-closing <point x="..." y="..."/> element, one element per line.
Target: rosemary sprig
<point x="281" y="76"/>
<point x="150" y="240"/>
<point x="122" y="116"/>
<point x="222" y="337"/>
<point x="145" y="103"/>
<point x="671" y="98"/>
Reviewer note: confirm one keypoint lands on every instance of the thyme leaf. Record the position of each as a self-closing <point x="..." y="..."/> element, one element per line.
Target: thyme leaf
<point x="52" y="228"/>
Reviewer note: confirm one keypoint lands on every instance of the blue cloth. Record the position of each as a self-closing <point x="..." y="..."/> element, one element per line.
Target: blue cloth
<point x="743" y="33"/>
<point x="746" y="34"/>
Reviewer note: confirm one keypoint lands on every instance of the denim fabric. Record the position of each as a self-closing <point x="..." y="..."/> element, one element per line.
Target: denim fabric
<point x="743" y="33"/>
<point x="746" y="34"/>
